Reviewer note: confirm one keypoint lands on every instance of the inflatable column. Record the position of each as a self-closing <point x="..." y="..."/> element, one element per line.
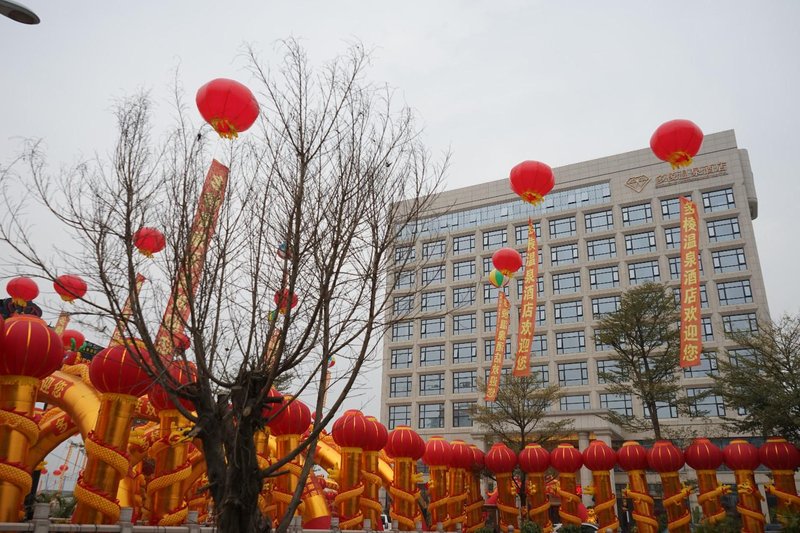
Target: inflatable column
<point x="706" y="458"/>
<point x="632" y="457"/>
<point x="567" y="460"/>
<point x="666" y="459"/>
<point x="375" y="439"/>
<point x="501" y="460"/>
<point x="534" y="461"/>
<point x="600" y="459"/>
<point x="742" y="457"/>
<point x="438" y="453"/>
<point x="783" y="459"/>
<point x="460" y="463"/>
<point x="475" y="499"/>
<point x="406" y="447"/>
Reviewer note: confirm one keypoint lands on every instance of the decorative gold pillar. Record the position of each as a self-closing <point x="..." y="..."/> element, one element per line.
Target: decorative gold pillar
<point x="166" y="489"/>
<point x="18" y="432"/>
<point x="369" y="502"/>
<point x="475" y="499"/>
<point x="666" y="459"/>
<point x="632" y="457"/>
<point x="265" y="503"/>
<point x="742" y="457"/>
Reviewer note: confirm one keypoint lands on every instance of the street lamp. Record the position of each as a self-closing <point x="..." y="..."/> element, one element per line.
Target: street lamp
<point x="18" y="12"/>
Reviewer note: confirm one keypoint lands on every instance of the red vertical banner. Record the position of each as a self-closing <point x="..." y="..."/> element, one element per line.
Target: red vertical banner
<point x="691" y="345"/>
<point x="116" y="338"/>
<point x="503" y="319"/>
<point x="527" y="313"/>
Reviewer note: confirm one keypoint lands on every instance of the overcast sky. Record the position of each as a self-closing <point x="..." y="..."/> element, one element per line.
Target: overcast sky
<point x="494" y="81"/>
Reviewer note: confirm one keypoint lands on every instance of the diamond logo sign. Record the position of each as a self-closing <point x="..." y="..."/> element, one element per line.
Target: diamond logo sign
<point x="637" y="183"/>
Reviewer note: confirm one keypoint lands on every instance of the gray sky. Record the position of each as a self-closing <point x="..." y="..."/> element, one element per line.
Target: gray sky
<point x="495" y="81"/>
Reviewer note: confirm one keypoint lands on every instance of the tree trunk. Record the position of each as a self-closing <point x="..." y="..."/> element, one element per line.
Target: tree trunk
<point x="651" y="406"/>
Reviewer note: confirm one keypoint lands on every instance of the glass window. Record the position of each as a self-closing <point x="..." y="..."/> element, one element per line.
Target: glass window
<point x="487" y="265"/>
<point x="734" y="292"/>
<point x="706" y="368"/>
<point x="726" y="229"/>
<point x="488" y="350"/>
<point x="675" y="267"/>
<point x="399" y="386"/>
<point x="643" y="272"/>
<point x="462" y="414"/>
<point x="640" y="243"/>
<point x="521" y="232"/>
<point x="464" y="244"/>
<point x="570" y="342"/>
<point x="573" y="374"/>
<point x="431" y="415"/>
<point x="598" y="345"/>
<point x="504" y="373"/>
<point x="433" y="249"/>
<point x="463" y="270"/>
<point x="600" y="221"/>
<point x="663" y="410"/>
<point x="490" y="293"/>
<point x="404" y="254"/>
<point x="489" y="320"/>
<point x="524" y="255"/>
<point x="562" y="227"/>
<point x="433" y="301"/>
<point x="670" y="209"/>
<point x="402" y="331"/>
<point x="495" y="239"/>
<point x="465" y="381"/>
<point x="566" y="283"/>
<point x="405" y="279"/>
<point x="605" y="305"/>
<point x="719" y="200"/>
<point x="633" y="215"/>
<point x="431" y="355"/>
<point x="568" y="312"/>
<point x="672" y="236"/>
<point x="736" y="355"/>
<point x="539" y="287"/>
<point x="708" y="330"/>
<point x="539" y="345"/>
<point x="619" y="403"/>
<point x="704" y="403"/>
<point x="402" y="358"/>
<point x="464" y="296"/>
<point x="465" y="352"/>
<point x="403" y="304"/>
<point x="606" y="367"/>
<point x="604" y="278"/>
<point x="563" y="255"/>
<point x="543" y="373"/>
<point x="601" y="249"/>
<point x="434" y="274"/>
<point x="579" y="402"/>
<point x="463" y="324"/>
<point x="732" y="260"/>
<point x="432" y="327"/>
<point x="541" y="315"/>
<point x="676" y="292"/>
<point x="431" y="384"/>
<point x="399" y="415"/>
<point x="740" y="323"/>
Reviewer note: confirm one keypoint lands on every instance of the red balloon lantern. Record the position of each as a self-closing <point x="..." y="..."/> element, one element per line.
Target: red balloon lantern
<point x="405" y="442"/>
<point x="181" y="373"/>
<point x="534" y="458"/>
<point x="566" y="459"/>
<point x="438" y="452"/>
<point x="149" y="241"/>
<point x="677" y="142"/>
<point x="702" y="454"/>
<point x="115" y="370"/>
<point x="478" y="456"/>
<point x="375" y="436"/>
<point x="293" y="419"/>
<point x="599" y="456"/>
<point x="228" y="106"/>
<point x="29" y="348"/>
<point x="22" y="290"/>
<point x="501" y="459"/>
<point x="72" y="339"/>
<point x="741" y="455"/>
<point x="285" y="300"/>
<point x="532" y="180"/>
<point x="665" y="457"/>
<point x="351" y="431"/>
<point x="779" y="454"/>
<point x="632" y="456"/>
<point x="70" y="287"/>
<point x="461" y="456"/>
<point x="507" y="261"/>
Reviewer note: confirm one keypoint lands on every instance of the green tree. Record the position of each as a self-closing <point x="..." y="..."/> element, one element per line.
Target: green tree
<point x="763" y="380"/>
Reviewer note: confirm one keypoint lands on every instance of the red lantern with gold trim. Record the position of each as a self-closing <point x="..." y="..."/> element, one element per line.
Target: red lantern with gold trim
<point x="70" y="287"/>
<point x="405" y="442"/>
<point x="351" y="432"/>
<point x="501" y="459"/>
<point x="72" y="339"/>
<point x="507" y="261"/>
<point x="116" y="370"/>
<point x="228" y="106"/>
<point x="677" y="142"/>
<point x="534" y="458"/>
<point x="29" y="348"/>
<point x="375" y="436"/>
<point x="149" y="241"/>
<point x="599" y="456"/>
<point x="438" y="452"/>
<point x="285" y="300"/>
<point x="461" y="456"/>
<point x="665" y="457"/>
<point x="293" y="419"/>
<point x="702" y="454"/>
<point x="742" y="457"/>
<point x="779" y="454"/>
<point x="22" y="290"/>
<point x="532" y="180"/>
<point x="706" y="458"/>
<point x="632" y="456"/>
<point x="181" y="374"/>
<point x="565" y="458"/>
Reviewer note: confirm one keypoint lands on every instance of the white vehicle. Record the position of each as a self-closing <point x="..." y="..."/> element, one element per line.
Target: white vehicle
<point x="387" y="522"/>
<point x="586" y="527"/>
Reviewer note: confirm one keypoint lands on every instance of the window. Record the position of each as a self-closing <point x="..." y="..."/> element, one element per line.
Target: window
<point x="601" y="249"/>
<point x="708" y="330"/>
<point x="570" y="342"/>
<point x="539" y="287"/>
<point x="433" y="301"/>
<point x="464" y="244"/>
<point x="465" y="381"/>
<point x="598" y="344"/>
<point x="432" y="327"/>
<point x="462" y="414"/>
<point x="706" y="368"/>
<point x="399" y="386"/>
<point x="726" y="229"/>
<point x="600" y="221"/>
<point x="732" y="260"/>
<point x="543" y="373"/>
<point x="606" y="367"/>
<point x="675" y="267"/>
<point x="573" y="374"/>
<point x="402" y="358"/>
<point x="568" y="312"/>
<point x="563" y="255"/>
<point x="465" y="352"/>
<point x="663" y="410"/>
<point x="402" y="331"/>
<point x="431" y="355"/>
<point x="431" y="415"/>
<point x="704" y="403"/>
<point x="434" y="274"/>
<point x="404" y="254"/>
<point x="604" y="278"/>
<point x="562" y="227"/>
<point x="633" y="215"/>
<point x="490" y="293"/>
<point x="740" y="323"/>
<point x="676" y="291"/>
<point x="463" y="270"/>
<point x="672" y="236"/>
<point x="403" y="304"/>
<point x="463" y="324"/>
<point x="605" y="305"/>
<point x="720" y="200"/>
<point x="524" y="254"/>
<point x="488" y="350"/>
<point x="541" y="315"/>
<point x="735" y="292"/>
<point x="504" y="373"/>
<point x="487" y="265"/>
<point x="489" y="320"/>
<point x="575" y="403"/>
<point x="640" y="243"/>
<point x="539" y="345"/>
<point x="737" y="355"/>
<point x="399" y="415"/>
<point x="567" y="282"/>
<point x="433" y="249"/>
<point x="643" y="272"/>
<point x="670" y="209"/>
<point x="495" y="239"/>
<point x="619" y="403"/>
<point x="464" y="296"/>
<point x="431" y="384"/>
<point x="521" y="232"/>
<point x="405" y="279"/>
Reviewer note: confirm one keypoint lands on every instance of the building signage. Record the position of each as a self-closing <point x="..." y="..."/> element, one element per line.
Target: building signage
<point x="691" y="174"/>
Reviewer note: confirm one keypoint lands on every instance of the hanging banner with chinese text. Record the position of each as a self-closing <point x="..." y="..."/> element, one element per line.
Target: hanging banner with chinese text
<point x="527" y="313"/>
<point x="691" y="345"/>
<point x="503" y="315"/>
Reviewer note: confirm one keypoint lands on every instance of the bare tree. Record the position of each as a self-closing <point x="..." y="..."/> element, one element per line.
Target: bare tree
<point x="334" y="172"/>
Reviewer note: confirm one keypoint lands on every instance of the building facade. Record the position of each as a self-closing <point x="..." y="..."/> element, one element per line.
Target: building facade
<point x="608" y="224"/>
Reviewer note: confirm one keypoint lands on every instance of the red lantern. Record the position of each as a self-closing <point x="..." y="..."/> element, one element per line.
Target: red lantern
<point x="22" y="290"/>
<point x="64" y="468"/>
<point x="293" y="419"/>
<point x="566" y="459"/>
<point x="70" y="358"/>
<point x="461" y="455"/>
<point x="741" y="455"/>
<point x="69" y="287"/>
<point x="181" y="374"/>
<point x="57" y="472"/>
<point x="228" y="106"/>
<point x="283" y="299"/>
<point x="665" y="457"/>
<point x="534" y="458"/>
<point x="677" y="142"/>
<point x="478" y="456"/>
<point x="375" y="436"/>
<point x="438" y="452"/>
<point x="29" y="348"/>
<point x="779" y="454"/>
<point x="532" y="180"/>
<point x="702" y="454"/>
<point x="115" y="370"/>
<point x="351" y="432"/>
<point x="501" y="459"/>
<point x="72" y="339"/>
<point x="507" y="261"/>
<point x="272" y="407"/>
<point x="405" y="442"/>
<point x="149" y="241"/>
<point x="43" y="471"/>
<point x="632" y="456"/>
<point x="339" y="421"/>
<point x="599" y="456"/>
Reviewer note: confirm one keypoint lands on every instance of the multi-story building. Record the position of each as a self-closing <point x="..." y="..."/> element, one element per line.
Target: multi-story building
<point x="608" y="224"/>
